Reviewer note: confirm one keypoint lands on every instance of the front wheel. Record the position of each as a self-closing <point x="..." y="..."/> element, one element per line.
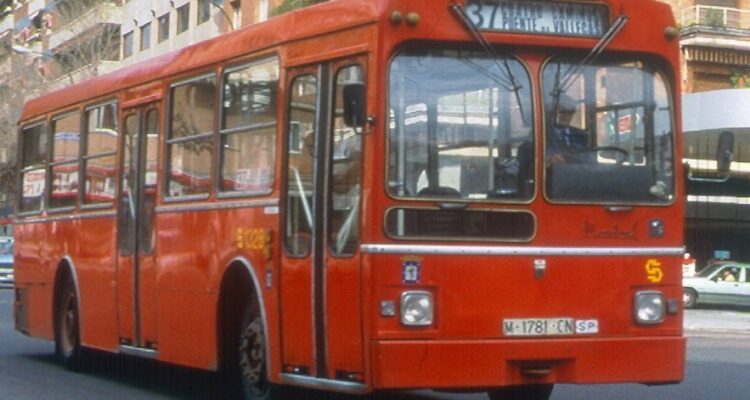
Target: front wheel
<point x="689" y="298"/>
<point x="251" y="358"/>
<point x="523" y="392"/>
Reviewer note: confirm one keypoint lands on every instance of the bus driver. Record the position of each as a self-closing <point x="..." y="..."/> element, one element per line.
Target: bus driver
<point x="566" y="143"/>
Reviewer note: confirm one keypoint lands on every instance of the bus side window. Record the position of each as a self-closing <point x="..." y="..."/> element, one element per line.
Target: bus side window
<point x="99" y="167"/>
<point x="64" y="166"/>
<point x="33" y="167"/>
<point x="190" y="140"/>
<point x="248" y="128"/>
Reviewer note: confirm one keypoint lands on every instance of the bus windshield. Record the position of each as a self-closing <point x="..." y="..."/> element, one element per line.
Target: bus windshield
<point x="459" y="128"/>
<point x="609" y="135"/>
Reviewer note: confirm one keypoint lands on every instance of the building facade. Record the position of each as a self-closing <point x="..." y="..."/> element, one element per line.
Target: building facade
<point x="715" y="44"/>
<point x="48" y="44"/>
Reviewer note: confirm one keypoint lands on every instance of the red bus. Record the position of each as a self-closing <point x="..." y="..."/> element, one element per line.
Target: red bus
<point x="371" y="194"/>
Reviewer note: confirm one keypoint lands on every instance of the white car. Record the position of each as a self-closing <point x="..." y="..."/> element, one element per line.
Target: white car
<point x="6" y="261"/>
<point x="721" y="283"/>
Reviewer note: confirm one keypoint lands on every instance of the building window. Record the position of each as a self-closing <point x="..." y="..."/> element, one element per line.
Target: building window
<point x="127" y="45"/>
<point x="263" y="10"/>
<point x="204" y="11"/>
<point x="183" y="18"/>
<point x="164" y="27"/>
<point x="146" y="36"/>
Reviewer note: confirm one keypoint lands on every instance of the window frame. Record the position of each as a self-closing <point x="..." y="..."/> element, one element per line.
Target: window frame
<point x="85" y="156"/>
<point x="52" y="164"/>
<point x="183" y="21"/>
<point x="247" y="130"/>
<point x="648" y="64"/>
<point x="128" y="44"/>
<point x="203" y="13"/>
<point x="22" y="170"/>
<point x="145" y="39"/>
<point x="169" y="140"/>
<point x="529" y="79"/>
<point x="161" y="35"/>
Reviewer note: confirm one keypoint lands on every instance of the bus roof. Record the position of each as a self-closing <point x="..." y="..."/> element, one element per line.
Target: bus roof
<point x="646" y="35"/>
<point x="328" y="16"/>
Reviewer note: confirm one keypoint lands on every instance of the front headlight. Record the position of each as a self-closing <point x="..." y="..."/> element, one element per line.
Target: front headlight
<point x="416" y="308"/>
<point x="649" y="307"/>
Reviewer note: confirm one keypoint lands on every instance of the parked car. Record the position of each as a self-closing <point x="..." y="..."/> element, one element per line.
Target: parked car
<point x="6" y="261"/>
<point x="725" y="282"/>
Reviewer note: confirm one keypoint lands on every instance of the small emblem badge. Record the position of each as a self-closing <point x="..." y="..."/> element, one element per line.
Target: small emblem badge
<point x="411" y="271"/>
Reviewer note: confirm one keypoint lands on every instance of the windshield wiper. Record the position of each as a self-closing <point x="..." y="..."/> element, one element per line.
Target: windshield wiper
<point x="509" y="80"/>
<point x="566" y="80"/>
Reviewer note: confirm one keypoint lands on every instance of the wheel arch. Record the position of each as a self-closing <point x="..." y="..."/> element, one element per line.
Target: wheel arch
<point x="239" y="284"/>
<point x="65" y="270"/>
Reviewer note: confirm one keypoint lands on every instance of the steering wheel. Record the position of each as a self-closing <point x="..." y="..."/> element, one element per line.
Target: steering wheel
<point x="597" y="149"/>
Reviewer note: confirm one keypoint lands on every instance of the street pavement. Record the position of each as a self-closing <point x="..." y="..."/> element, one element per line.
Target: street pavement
<point x="713" y="321"/>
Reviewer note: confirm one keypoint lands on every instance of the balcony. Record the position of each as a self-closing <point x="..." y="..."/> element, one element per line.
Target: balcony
<point x="716" y="34"/>
<point x="104" y="13"/>
<point x="715" y="18"/>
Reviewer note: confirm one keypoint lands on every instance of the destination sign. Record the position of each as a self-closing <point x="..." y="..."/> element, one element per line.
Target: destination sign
<point x="539" y="17"/>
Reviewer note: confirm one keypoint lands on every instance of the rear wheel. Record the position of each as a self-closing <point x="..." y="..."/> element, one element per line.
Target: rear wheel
<point x="689" y="297"/>
<point x="67" y="333"/>
<point x="251" y="357"/>
<point x="523" y="392"/>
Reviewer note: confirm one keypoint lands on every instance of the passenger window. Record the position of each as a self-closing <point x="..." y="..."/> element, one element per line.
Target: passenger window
<point x="248" y="128"/>
<point x="64" y="166"/>
<point x="99" y="167"/>
<point x="34" y="143"/>
<point x="190" y="141"/>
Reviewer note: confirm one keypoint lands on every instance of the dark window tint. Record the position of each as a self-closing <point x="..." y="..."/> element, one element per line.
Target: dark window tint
<point x="163" y="27"/>
<point x="127" y="45"/>
<point x="183" y="18"/>
<point x="146" y="36"/>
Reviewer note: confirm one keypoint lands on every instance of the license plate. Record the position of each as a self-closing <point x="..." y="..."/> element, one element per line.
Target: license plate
<point x="538" y="326"/>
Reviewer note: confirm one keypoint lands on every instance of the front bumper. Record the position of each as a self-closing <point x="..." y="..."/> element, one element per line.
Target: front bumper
<point x="402" y="364"/>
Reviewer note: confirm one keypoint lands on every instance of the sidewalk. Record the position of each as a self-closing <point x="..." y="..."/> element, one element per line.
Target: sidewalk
<point x="707" y="321"/>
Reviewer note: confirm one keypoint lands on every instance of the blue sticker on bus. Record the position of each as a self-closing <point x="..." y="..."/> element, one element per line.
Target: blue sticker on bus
<point x="411" y="271"/>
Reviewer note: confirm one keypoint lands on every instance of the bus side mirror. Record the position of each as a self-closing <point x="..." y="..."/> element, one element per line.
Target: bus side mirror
<point x="354" y="105"/>
<point x="724" y="151"/>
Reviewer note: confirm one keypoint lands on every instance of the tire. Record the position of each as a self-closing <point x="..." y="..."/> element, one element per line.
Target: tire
<point x="251" y="358"/>
<point x="689" y="298"/>
<point x="523" y="392"/>
<point x="67" y="328"/>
